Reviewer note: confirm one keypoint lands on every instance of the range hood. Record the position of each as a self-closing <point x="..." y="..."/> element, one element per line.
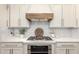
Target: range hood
<point x="39" y="12"/>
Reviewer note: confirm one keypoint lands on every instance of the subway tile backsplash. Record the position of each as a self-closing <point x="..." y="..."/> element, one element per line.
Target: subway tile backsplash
<point x="62" y="32"/>
<point x="59" y="32"/>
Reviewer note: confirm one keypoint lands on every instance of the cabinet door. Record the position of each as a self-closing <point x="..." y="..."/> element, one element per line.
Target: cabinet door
<point x="5" y="51"/>
<point x="3" y="16"/>
<point x="77" y="15"/>
<point x="60" y="51"/>
<point x="14" y="16"/>
<point x="11" y="51"/>
<point x="57" y="11"/>
<point x="17" y="51"/>
<point x="23" y="10"/>
<point x="73" y="51"/>
<point x="69" y="15"/>
<point x="70" y="51"/>
<point x="66" y="51"/>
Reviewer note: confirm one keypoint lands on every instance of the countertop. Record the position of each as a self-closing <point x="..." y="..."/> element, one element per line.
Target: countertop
<point x="17" y="39"/>
<point x="66" y="39"/>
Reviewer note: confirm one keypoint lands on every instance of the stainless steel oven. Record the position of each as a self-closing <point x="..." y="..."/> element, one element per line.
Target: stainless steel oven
<point x="39" y="49"/>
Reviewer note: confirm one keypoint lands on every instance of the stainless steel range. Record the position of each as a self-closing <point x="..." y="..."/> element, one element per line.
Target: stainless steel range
<point x="39" y="48"/>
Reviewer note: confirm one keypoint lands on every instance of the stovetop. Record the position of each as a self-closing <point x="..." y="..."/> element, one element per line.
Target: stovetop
<point x="44" y="38"/>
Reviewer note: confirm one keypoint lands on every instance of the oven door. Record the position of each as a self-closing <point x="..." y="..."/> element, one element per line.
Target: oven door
<point x="39" y="49"/>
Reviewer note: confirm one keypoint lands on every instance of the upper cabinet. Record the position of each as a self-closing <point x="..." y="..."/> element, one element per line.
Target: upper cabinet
<point x="23" y="10"/>
<point x="64" y="15"/>
<point x="57" y="11"/>
<point x="14" y="18"/>
<point x="69" y="15"/>
<point x="3" y="16"/>
<point x="17" y="16"/>
<point x="77" y="15"/>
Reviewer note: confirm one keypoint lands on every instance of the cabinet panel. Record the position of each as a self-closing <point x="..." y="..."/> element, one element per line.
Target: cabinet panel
<point x="17" y="51"/>
<point x="67" y="48"/>
<point x="11" y="51"/>
<point x="3" y="16"/>
<point x="77" y="15"/>
<point x="11" y="48"/>
<point x="23" y="21"/>
<point x="5" y="51"/>
<point x="25" y="48"/>
<point x="57" y="10"/>
<point x="69" y="16"/>
<point x="66" y="51"/>
<point x="60" y="51"/>
<point x="17" y="16"/>
<point x="73" y="51"/>
<point x="14" y="16"/>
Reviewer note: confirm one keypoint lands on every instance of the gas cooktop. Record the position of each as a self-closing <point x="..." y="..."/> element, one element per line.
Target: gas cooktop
<point x="44" y="38"/>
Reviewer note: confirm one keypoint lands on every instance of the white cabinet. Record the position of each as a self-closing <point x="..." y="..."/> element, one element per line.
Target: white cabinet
<point x="11" y="51"/>
<point x="57" y="11"/>
<point x="14" y="16"/>
<point x="11" y="48"/>
<point x="17" y="51"/>
<point x="5" y="51"/>
<point x="66" y="48"/>
<point x="25" y="48"/>
<point x="17" y="16"/>
<point x="77" y="15"/>
<point x="69" y="15"/>
<point x="23" y="21"/>
<point x="66" y="51"/>
<point x="64" y="16"/>
<point x="3" y="16"/>
<point x="60" y="51"/>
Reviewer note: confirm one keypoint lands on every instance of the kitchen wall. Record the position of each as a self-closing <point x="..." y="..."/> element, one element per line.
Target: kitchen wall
<point x="66" y="32"/>
<point x="59" y="32"/>
<point x="75" y="33"/>
<point x="4" y="33"/>
<point x="62" y="32"/>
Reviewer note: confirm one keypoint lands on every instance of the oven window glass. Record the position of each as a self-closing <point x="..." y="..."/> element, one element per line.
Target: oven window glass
<point x="39" y="49"/>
